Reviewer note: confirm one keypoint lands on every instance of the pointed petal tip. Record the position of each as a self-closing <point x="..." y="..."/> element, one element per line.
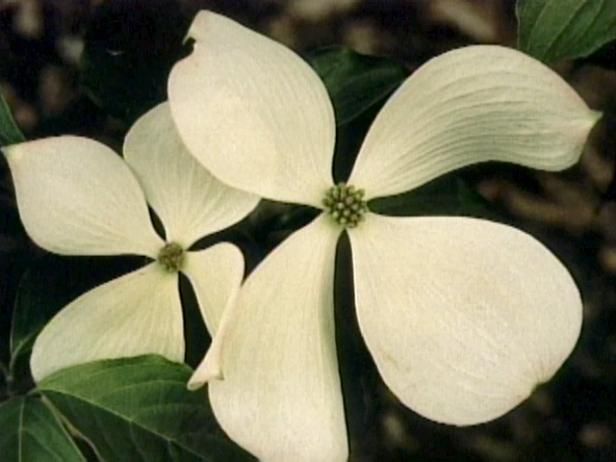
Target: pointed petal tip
<point x="15" y="152"/>
<point x="194" y="385"/>
<point x="206" y="19"/>
<point x="8" y="150"/>
<point x="210" y="369"/>
<point x="590" y="120"/>
<point x="105" y="217"/>
<point x="437" y="120"/>
<point x="468" y="421"/>
<point x="200" y="379"/>
<point x="593" y="118"/>
<point x="200" y="22"/>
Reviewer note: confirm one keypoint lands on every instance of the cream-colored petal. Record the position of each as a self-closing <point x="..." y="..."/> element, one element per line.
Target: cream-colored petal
<point x="77" y="197"/>
<point x="471" y="105"/>
<point x="253" y="112"/>
<point x="216" y="275"/>
<point x="280" y="397"/>
<point x="139" y="313"/>
<point x="463" y="317"/>
<point x="190" y="202"/>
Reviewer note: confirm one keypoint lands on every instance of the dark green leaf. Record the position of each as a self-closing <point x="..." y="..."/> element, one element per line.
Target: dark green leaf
<point x="355" y="82"/>
<point x="32" y="433"/>
<point x="349" y="138"/>
<point x="9" y="131"/>
<point x="551" y="30"/>
<point x="139" y="409"/>
<point x="448" y="195"/>
<point x="125" y="72"/>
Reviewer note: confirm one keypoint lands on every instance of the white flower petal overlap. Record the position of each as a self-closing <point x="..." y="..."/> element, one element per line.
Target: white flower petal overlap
<point x="138" y="313"/>
<point x="216" y="275"/>
<point x="476" y="314"/>
<point x="77" y="197"/>
<point x="471" y="105"/>
<point x="249" y="108"/>
<point x="463" y="317"/>
<point x="189" y="202"/>
<point x="281" y="396"/>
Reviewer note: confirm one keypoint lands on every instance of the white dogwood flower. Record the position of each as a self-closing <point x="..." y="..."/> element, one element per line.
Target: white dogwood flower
<point x="463" y="317"/>
<point x="77" y="197"/>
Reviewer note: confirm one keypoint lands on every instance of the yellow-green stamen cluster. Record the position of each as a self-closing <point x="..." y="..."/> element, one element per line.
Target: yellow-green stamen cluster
<point x="345" y="204"/>
<point x="171" y="257"/>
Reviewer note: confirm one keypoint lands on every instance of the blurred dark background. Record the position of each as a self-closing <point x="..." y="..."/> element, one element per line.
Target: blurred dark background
<point x="50" y="56"/>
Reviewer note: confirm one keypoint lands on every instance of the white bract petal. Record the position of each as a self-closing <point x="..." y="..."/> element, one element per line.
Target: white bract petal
<point x="216" y="275"/>
<point x="139" y="313"/>
<point x="280" y="397"/>
<point x="253" y="112"/>
<point x="463" y="317"/>
<point x="471" y="105"/>
<point x="190" y="202"/>
<point x="77" y="197"/>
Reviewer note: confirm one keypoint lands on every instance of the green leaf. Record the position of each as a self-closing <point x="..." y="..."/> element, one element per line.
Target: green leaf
<point x="551" y="30"/>
<point x="448" y="195"/>
<point x="9" y="131"/>
<point x="139" y="409"/>
<point x="355" y="82"/>
<point x="31" y="433"/>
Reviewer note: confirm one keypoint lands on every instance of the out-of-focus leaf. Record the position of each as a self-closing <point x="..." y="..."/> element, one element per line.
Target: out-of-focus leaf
<point x="551" y="30"/>
<point x="31" y="432"/>
<point x="448" y="195"/>
<point x="139" y="409"/>
<point x="130" y="47"/>
<point x="355" y="82"/>
<point x="604" y="57"/>
<point x="45" y="288"/>
<point x="9" y="131"/>
<point x="358" y="85"/>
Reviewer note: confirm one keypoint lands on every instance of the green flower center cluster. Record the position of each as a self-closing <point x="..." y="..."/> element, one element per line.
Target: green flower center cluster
<point x="171" y="257"/>
<point x="345" y="204"/>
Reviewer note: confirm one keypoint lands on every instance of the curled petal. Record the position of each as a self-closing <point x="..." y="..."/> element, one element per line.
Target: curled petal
<point x="139" y="313"/>
<point x="216" y="275"/>
<point x="253" y="112"/>
<point x="474" y="104"/>
<point x="280" y="397"/>
<point x="190" y="202"/>
<point x="77" y="197"/>
<point x="463" y="317"/>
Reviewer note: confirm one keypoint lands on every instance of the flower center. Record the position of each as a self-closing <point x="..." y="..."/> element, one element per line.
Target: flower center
<point x="345" y="204"/>
<point x="171" y="257"/>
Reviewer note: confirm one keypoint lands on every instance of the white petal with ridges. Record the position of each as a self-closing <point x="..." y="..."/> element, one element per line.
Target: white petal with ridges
<point x="280" y="397"/>
<point x="139" y="313"/>
<point x="77" y="197"/>
<point x="190" y="202"/>
<point x="463" y="317"/>
<point x="471" y="105"/>
<point x="253" y="112"/>
<point x="216" y="275"/>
